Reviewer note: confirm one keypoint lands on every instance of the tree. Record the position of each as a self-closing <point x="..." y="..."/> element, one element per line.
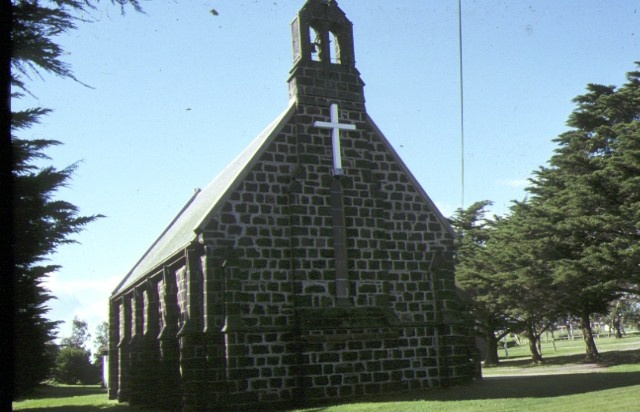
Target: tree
<point x="45" y="223"/>
<point x="73" y="367"/>
<point x="522" y="264"/>
<point x="100" y="342"/>
<point x="503" y="268"/>
<point x="623" y="166"/>
<point x="73" y="363"/>
<point x="101" y="339"/>
<point x="475" y="275"/>
<point x="79" y="335"/>
<point x="574" y="246"/>
<point x="586" y="202"/>
<point x="42" y="222"/>
<point x="7" y="233"/>
<point x="624" y="310"/>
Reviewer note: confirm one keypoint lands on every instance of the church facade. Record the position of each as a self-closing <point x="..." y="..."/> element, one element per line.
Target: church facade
<point x="314" y="267"/>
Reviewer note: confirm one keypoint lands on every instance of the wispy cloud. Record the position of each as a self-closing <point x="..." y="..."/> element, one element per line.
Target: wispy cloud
<point x="88" y="299"/>
<point x="514" y="183"/>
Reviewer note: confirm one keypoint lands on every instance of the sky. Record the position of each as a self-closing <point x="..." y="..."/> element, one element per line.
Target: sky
<point x="176" y="93"/>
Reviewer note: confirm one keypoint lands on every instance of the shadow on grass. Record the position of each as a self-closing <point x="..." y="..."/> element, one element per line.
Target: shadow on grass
<point x="69" y="391"/>
<point x="501" y="387"/>
<point x="609" y="358"/>
<point x="539" y="386"/>
<point x="83" y="408"/>
<point x="55" y="391"/>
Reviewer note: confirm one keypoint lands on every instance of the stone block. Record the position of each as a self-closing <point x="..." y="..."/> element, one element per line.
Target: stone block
<point x="365" y="355"/>
<point x="344" y="368"/>
<point x="349" y="356"/>
<point x="373" y="366"/>
<point x="329" y="357"/>
<point x="372" y="388"/>
<point x="379" y="377"/>
<point x="321" y="380"/>
<point x="396" y="364"/>
<point x="243" y="374"/>
<point x="310" y="370"/>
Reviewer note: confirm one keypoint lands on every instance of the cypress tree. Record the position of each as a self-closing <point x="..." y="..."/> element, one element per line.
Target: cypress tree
<point x="476" y="275"/>
<point x="39" y="222"/>
<point x="586" y="203"/>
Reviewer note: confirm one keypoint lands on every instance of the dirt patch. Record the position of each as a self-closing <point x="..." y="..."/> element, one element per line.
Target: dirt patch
<point x="550" y="370"/>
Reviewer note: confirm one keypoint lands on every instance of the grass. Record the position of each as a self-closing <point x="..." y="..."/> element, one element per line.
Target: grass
<point x="614" y="352"/>
<point x="58" y="398"/>
<point x="562" y="382"/>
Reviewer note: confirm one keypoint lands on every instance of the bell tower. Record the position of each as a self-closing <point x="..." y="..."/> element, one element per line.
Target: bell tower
<point x="323" y="57"/>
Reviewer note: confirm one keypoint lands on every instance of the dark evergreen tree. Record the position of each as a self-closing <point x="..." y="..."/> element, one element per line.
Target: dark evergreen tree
<point x="586" y="203"/>
<point x="7" y="232"/>
<point x="40" y="222"/>
<point x="623" y="167"/>
<point x="43" y="224"/>
<point x="521" y="260"/>
<point x="574" y="247"/>
<point x="475" y="274"/>
<point x="503" y="267"/>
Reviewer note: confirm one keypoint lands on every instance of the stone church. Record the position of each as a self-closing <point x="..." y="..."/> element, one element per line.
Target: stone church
<point x="313" y="268"/>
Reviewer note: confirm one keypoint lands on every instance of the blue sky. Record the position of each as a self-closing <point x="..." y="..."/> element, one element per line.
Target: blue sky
<point x="177" y="93"/>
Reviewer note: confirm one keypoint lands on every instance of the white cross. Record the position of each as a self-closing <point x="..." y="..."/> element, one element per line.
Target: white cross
<point x="335" y="127"/>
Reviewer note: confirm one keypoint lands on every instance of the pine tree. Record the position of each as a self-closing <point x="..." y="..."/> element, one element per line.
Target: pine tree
<point x="586" y="202"/>
<point x="475" y="275"/>
<point x="40" y="222"/>
<point x="574" y="247"/>
<point x="44" y="223"/>
<point x="521" y="260"/>
<point x="503" y="267"/>
<point x="624" y="168"/>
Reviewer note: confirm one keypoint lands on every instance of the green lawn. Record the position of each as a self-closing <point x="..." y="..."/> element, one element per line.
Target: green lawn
<point x="60" y="398"/>
<point x="563" y="382"/>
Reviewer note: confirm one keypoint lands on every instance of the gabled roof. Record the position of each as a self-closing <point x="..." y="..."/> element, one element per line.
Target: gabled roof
<point x="195" y="215"/>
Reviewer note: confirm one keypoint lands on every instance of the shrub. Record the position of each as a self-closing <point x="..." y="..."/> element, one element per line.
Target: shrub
<point x="73" y="367"/>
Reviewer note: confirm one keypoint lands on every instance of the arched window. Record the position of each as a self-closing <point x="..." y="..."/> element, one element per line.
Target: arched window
<point x="316" y="44"/>
<point x="334" y="48"/>
<point x="324" y="45"/>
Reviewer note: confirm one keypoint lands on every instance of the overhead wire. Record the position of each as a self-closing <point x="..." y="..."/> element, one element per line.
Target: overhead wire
<point x="462" y="171"/>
